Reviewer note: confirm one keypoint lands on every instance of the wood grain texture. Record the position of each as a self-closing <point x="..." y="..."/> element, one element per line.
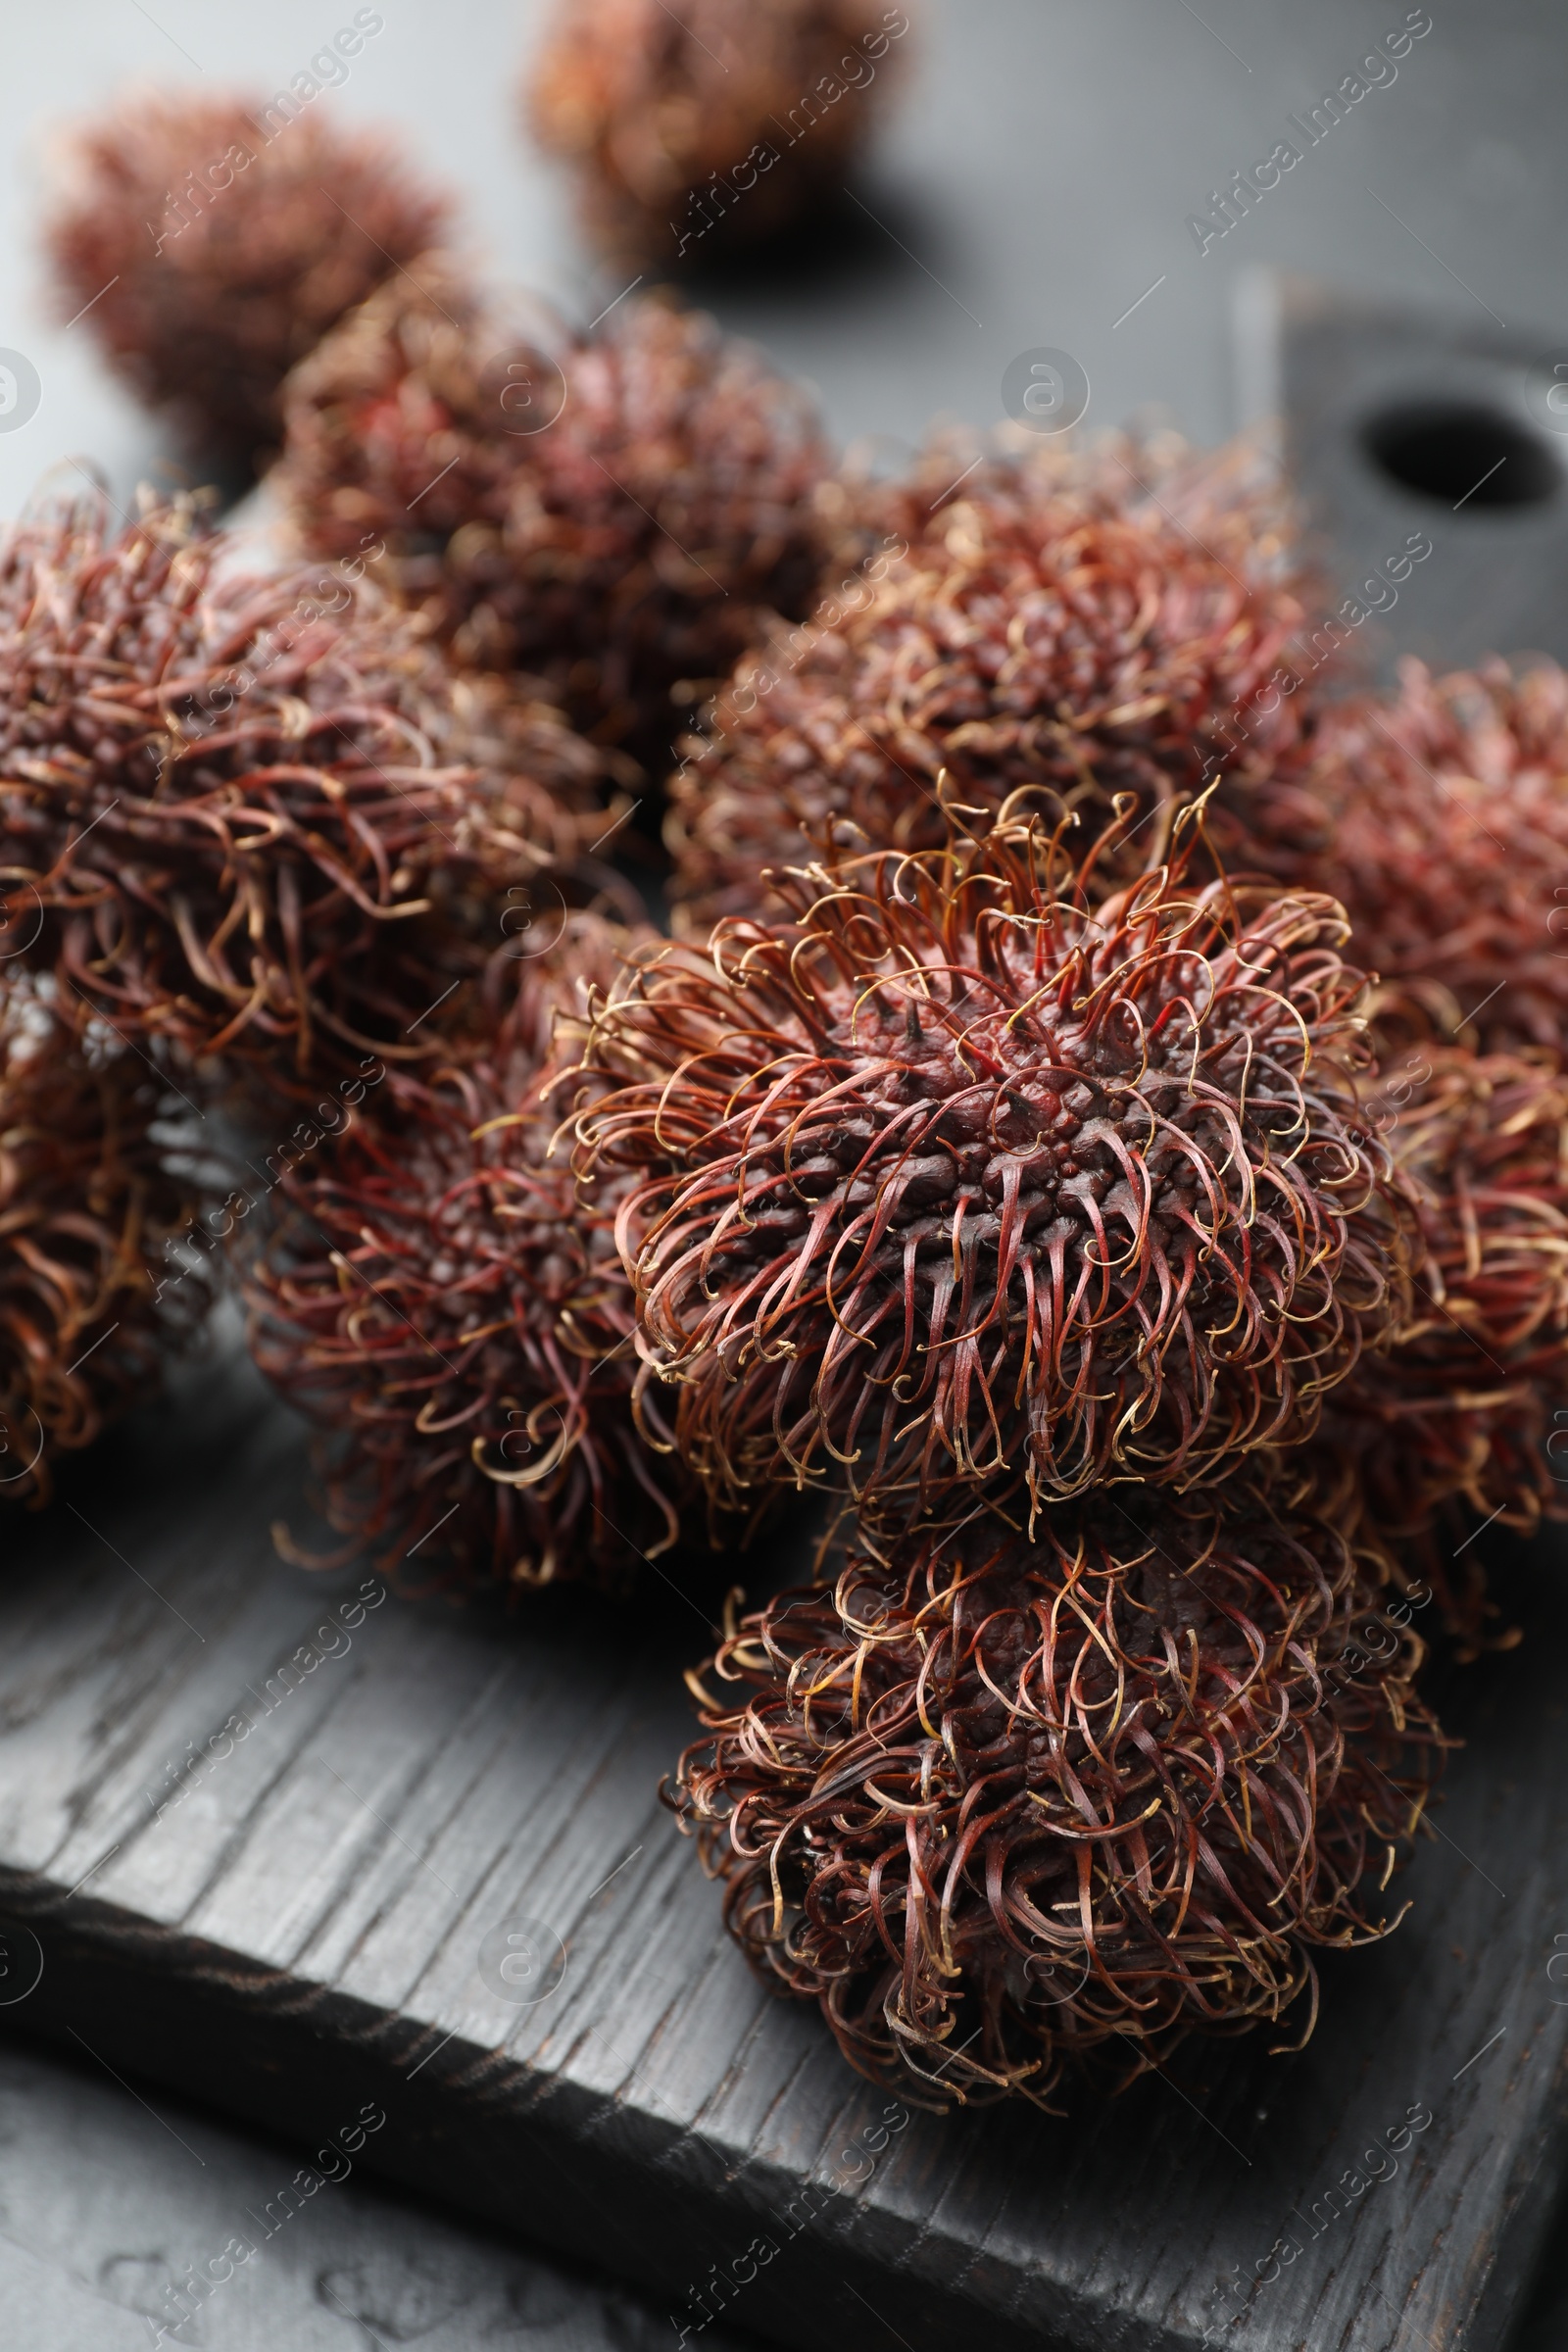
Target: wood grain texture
<point x="302" y="1934"/>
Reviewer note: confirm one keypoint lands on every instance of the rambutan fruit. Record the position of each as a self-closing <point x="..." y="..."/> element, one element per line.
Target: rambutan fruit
<point x="624" y="549"/>
<point x="210" y="244"/>
<point x="1082" y="625"/>
<point x="713" y="129"/>
<point x="91" y="1212"/>
<point x="1440" y="821"/>
<point x="1453" y="1424"/>
<point x="449" y="1311"/>
<point x="249" y="815"/>
<point x="997" y="1802"/>
<point x="963" y="1177"/>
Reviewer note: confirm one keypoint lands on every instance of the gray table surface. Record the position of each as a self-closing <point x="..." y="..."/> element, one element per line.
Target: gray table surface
<point x="106" y="2199"/>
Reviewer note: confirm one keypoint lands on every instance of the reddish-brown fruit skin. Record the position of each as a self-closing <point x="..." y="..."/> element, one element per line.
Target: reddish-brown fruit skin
<point x="205" y="290"/>
<point x="965" y="1180"/>
<point x="1440" y="820"/>
<point x="1083" y="624"/>
<point x="655" y="110"/>
<point x="246" y="819"/>
<point x="451" y="1315"/>
<point x="996" y="1805"/>
<point x="1454" y="1424"/>
<point x="90" y="1295"/>
<point x="625" y="547"/>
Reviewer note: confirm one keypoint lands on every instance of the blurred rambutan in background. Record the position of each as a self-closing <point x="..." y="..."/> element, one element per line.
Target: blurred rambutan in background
<point x="209" y="243"/>
<point x="1080" y="624"/>
<point x="717" y="129"/>
<point x="616" y="511"/>
<point x="251" y="810"/>
<point x="994" y="1801"/>
<point x="1440" y="819"/>
<point x="94" y="1291"/>
<point x="963" y="1179"/>
<point x="447" y="1306"/>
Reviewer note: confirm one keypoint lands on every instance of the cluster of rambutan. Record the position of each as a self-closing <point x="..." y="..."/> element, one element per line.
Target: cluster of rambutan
<point x="260" y="843"/>
<point x="1119" y="1155"/>
<point x="622" y="512"/>
<point x="1033" y="1219"/>
<point x="309" y="836"/>
<point x="1102" y="1126"/>
<point x="260" y="819"/>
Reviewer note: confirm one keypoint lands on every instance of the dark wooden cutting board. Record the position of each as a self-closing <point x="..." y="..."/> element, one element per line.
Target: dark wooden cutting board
<point x="303" y="1937"/>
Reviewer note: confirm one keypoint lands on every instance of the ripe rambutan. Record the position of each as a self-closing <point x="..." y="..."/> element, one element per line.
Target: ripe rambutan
<point x="622" y="547"/>
<point x="994" y="1803"/>
<point x="960" y="1178"/>
<point x="210" y="250"/>
<point x="1440" y="821"/>
<point x="451" y="1312"/>
<point x="1083" y="624"/>
<point x="1455" y="1423"/>
<point x="713" y="129"/>
<point x="249" y="816"/>
<point x="87" y="1204"/>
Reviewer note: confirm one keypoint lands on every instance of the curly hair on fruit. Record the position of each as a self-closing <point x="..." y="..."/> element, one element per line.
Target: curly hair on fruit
<point x="1080" y="623"/>
<point x="253" y="826"/>
<point x="264" y="239"/>
<point x="626" y="545"/>
<point x="715" y="130"/>
<point x="91" y="1213"/>
<point x="994" y="1802"/>
<point x="1451" y="1425"/>
<point x="451" y="1315"/>
<point x="961" y="1177"/>
<point x="1440" y="821"/>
